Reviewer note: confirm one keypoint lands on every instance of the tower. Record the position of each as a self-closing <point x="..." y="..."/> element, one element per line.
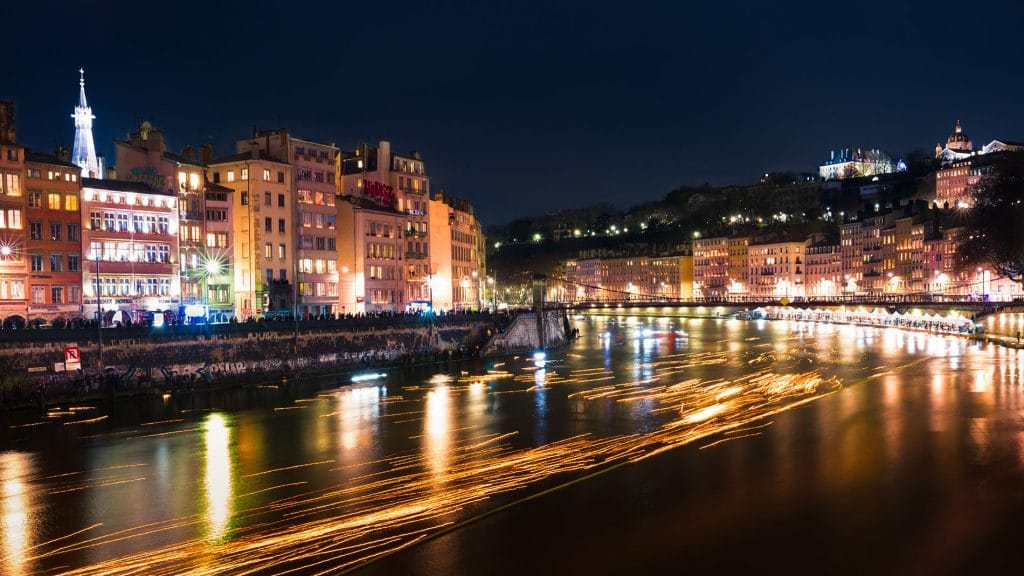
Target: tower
<point x="83" y="154"/>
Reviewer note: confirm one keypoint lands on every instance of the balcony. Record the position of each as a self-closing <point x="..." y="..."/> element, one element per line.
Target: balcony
<point x="415" y="256"/>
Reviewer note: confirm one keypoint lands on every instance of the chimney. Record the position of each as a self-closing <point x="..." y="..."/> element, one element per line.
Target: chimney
<point x="206" y="154"/>
<point x="63" y="153"/>
<point x="187" y="154"/>
<point x="285" y="153"/>
<point x="254" y="149"/>
<point x="8" y="134"/>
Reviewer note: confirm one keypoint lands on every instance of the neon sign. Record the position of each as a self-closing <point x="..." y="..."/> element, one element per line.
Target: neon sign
<point x="380" y="193"/>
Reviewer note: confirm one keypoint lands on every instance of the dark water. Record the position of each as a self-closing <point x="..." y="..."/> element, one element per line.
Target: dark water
<point x="826" y="449"/>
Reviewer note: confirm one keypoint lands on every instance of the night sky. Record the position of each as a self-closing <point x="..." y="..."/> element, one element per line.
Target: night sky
<point x="524" y="108"/>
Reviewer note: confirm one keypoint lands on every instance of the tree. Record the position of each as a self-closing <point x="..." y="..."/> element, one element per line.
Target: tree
<point x="995" y="224"/>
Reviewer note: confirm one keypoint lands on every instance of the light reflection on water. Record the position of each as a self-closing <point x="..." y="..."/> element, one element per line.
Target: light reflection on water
<point x="218" y="485"/>
<point x="615" y="385"/>
<point x="15" y="470"/>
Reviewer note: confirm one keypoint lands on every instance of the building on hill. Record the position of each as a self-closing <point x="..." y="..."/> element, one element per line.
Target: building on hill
<point x="960" y="166"/>
<point x="855" y="163"/>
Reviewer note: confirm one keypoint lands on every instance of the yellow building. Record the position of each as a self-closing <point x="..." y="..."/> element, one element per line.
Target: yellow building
<point x="455" y="255"/>
<point x="263" y="224"/>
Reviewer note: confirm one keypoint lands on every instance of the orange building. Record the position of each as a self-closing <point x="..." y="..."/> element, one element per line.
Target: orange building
<point x="54" y="240"/>
<point x="13" y="260"/>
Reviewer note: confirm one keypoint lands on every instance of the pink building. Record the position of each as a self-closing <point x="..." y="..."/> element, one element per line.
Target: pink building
<point x="130" y="234"/>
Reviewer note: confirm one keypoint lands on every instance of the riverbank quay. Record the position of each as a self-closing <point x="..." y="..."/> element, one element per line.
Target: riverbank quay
<point x="183" y="358"/>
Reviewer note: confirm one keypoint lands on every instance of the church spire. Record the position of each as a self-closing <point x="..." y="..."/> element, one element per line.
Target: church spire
<point x="84" y="152"/>
<point x="81" y="89"/>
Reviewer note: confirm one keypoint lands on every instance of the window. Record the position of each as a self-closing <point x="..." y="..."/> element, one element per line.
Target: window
<point x="332" y="244"/>
<point x="270" y="274"/>
<point x="244" y="198"/>
<point x="165" y="225"/>
<point x="320" y="243"/>
<point x="165" y="253"/>
<point x="34" y="173"/>
<point x="53" y="201"/>
<point x="108" y="221"/>
<point x="266" y="175"/>
<point x="231" y="175"/>
<point x="35" y="199"/>
<point x="245" y="173"/>
<point x="281" y="250"/>
<point x="122" y="222"/>
<point x="74" y="232"/>
<point x="10" y="219"/>
<point x="283" y="275"/>
<point x="39" y="295"/>
<point x="71" y="203"/>
<point x="56" y="263"/>
<point x="216" y="177"/>
<point x="268" y="224"/>
<point x="57" y="295"/>
<point x="280" y="177"/>
<point x="74" y="294"/>
<point x="35" y="230"/>
<point x="280" y="225"/>
<point x="36" y="262"/>
<point x="307" y="219"/>
<point x="266" y="198"/>
<point x="280" y="200"/>
<point x="55" y="229"/>
<point x="74" y="263"/>
<point x="11" y="184"/>
<point x="268" y="250"/>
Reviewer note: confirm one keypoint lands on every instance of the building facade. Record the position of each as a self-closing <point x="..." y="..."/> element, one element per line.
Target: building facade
<point x="54" y="240"/>
<point x="777" y="270"/>
<point x="263" y="227"/>
<point x="314" y="190"/>
<point x="455" y="256"/>
<point x="143" y="157"/>
<point x="370" y="264"/>
<point x="711" y="267"/>
<point x="400" y="183"/>
<point x="13" y="259"/>
<point x="130" y="234"/>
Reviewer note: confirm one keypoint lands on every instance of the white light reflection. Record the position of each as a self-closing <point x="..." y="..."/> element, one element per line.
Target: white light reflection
<point x="437" y="424"/>
<point x="217" y="437"/>
<point x="14" y="507"/>
<point x="358" y="418"/>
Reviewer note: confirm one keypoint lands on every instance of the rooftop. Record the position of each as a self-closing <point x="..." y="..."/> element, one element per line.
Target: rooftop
<point x="123" y="186"/>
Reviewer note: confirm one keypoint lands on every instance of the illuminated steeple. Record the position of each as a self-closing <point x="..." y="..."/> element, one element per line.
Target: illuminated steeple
<point x="83" y="154"/>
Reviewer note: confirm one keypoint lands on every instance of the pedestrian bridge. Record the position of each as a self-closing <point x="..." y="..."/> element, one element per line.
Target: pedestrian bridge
<point x="977" y="307"/>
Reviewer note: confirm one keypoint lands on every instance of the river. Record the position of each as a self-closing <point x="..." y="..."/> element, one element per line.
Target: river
<point x="657" y="444"/>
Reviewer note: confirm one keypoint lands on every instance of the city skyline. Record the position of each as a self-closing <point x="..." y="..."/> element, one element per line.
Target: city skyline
<point x="589" y="106"/>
